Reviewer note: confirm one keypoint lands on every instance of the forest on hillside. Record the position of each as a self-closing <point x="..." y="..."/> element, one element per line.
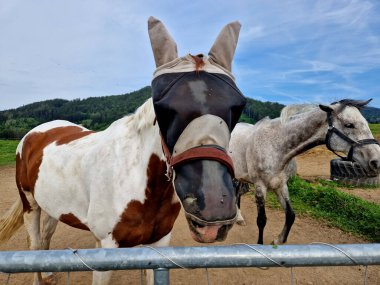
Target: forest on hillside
<point x="372" y="114"/>
<point x="96" y="113"/>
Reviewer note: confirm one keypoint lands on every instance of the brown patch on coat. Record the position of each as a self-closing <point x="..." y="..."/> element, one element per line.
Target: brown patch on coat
<point x="71" y="220"/>
<point x="27" y="165"/>
<point x="148" y="222"/>
<point x="21" y="175"/>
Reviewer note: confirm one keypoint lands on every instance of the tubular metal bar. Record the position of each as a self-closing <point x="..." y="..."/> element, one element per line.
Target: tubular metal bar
<point x="161" y="276"/>
<point x="190" y="257"/>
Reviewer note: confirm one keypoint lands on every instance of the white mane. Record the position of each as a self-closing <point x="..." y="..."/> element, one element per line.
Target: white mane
<point x="291" y="110"/>
<point x="145" y="115"/>
<point x="142" y="118"/>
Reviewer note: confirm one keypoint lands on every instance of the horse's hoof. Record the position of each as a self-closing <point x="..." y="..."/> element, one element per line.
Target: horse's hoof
<point x="50" y="280"/>
<point x="241" y="223"/>
<point x="275" y="242"/>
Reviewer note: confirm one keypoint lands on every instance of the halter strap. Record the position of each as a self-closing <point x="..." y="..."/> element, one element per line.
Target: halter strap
<point x="354" y="144"/>
<point x="360" y="143"/>
<point x="210" y="152"/>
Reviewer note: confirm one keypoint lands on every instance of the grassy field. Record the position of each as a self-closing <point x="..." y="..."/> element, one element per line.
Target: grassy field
<point x="375" y="129"/>
<point x="323" y="200"/>
<point x="8" y="151"/>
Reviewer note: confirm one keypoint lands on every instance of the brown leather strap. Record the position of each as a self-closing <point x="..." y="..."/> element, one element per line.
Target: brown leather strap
<point x="204" y="152"/>
<point x="165" y="149"/>
<point x="210" y="152"/>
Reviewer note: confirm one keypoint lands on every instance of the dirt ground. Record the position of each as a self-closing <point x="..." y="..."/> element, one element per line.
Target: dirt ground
<point x="316" y="164"/>
<point x="305" y="230"/>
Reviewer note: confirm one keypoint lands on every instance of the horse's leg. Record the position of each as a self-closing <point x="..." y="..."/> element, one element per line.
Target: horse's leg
<point x="239" y="220"/>
<point x="240" y="188"/>
<point x="49" y="224"/>
<point x="283" y="197"/>
<point x="103" y="277"/>
<point x="165" y="241"/>
<point x="260" y="194"/>
<point x="32" y="225"/>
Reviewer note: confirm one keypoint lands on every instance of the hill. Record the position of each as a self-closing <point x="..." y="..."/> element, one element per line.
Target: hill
<point x="97" y="113"/>
<point x="371" y="114"/>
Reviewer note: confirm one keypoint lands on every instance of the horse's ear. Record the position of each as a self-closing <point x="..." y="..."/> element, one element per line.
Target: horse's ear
<point x="326" y="108"/>
<point x="163" y="46"/>
<point x="223" y="50"/>
<point x="364" y="103"/>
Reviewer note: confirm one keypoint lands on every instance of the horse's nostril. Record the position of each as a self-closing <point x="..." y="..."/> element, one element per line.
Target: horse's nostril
<point x="375" y="164"/>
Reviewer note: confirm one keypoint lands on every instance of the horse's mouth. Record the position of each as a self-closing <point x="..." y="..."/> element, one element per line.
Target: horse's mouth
<point x="372" y="172"/>
<point x="208" y="232"/>
<point x="366" y="169"/>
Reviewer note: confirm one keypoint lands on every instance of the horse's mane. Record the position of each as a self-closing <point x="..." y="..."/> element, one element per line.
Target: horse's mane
<point x="143" y="117"/>
<point x="352" y="103"/>
<point x="291" y="110"/>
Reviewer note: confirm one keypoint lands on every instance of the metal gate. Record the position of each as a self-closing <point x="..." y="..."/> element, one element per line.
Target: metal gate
<point x="161" y="260"/>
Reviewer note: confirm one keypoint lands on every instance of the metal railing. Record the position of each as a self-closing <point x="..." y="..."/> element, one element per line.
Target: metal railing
<point x="165" y="258"/>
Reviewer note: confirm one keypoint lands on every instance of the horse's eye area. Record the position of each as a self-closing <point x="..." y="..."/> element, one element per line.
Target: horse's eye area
<point x="349" y="125"/>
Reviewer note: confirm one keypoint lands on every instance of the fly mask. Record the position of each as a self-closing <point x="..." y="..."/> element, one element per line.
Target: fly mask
<point x="197" y="105"/>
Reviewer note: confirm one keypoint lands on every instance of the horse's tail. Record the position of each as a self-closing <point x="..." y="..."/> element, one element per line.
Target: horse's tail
<point x="11" y="221"/>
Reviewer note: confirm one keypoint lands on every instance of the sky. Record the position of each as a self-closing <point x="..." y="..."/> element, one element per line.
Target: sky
<point x="289" y="51"/>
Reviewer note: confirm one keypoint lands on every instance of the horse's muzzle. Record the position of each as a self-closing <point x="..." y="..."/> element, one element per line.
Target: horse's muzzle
<point x="208" y="232"/>
<point x="374" y="166"/>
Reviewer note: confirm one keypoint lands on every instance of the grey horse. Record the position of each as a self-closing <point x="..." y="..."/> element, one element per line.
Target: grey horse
<point x="263" y="154"/>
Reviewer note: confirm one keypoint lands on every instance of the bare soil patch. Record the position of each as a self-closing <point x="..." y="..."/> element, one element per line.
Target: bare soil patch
<point x="305" y="230"/>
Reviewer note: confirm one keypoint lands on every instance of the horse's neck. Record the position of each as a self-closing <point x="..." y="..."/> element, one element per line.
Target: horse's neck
<point x="137" y="134"/>
<point x="304" y="133"/>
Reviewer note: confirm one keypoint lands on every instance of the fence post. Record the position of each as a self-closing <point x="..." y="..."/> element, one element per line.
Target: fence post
<point x="161" y="276"/>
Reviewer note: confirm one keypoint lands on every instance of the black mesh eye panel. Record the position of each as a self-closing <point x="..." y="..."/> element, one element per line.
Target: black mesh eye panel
<point x="176" y="103"/>
<point x="163" y="83"/>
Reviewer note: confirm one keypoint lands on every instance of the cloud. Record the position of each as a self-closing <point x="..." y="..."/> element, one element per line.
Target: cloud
<point x="252" y="33"/>
<point x="317" y="49"/>
<point x="288" y="51"/>
<point x="70" y="49"/>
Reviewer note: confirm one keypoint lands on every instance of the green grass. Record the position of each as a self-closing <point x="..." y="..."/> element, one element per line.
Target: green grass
<point x="375" y="129"/>
<point x="8" y="151"/>
<point x="324" y="201"/>
<point x="338" y="184"/>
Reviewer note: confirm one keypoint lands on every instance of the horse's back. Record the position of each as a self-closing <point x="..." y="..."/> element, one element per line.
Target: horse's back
<point x="30" y="151"/>
<point x="238" y="146"/>
<point x="54" y="129"/>
<point x="252" y="148"/>
<point x="244" y="133"/>
<point x="241" y="130"/>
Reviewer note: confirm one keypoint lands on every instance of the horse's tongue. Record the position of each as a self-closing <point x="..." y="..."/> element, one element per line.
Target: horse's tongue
<point x="209" y="233"/>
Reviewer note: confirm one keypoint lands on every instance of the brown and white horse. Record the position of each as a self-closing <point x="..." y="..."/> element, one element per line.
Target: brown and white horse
<point x="126" y="184"/>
